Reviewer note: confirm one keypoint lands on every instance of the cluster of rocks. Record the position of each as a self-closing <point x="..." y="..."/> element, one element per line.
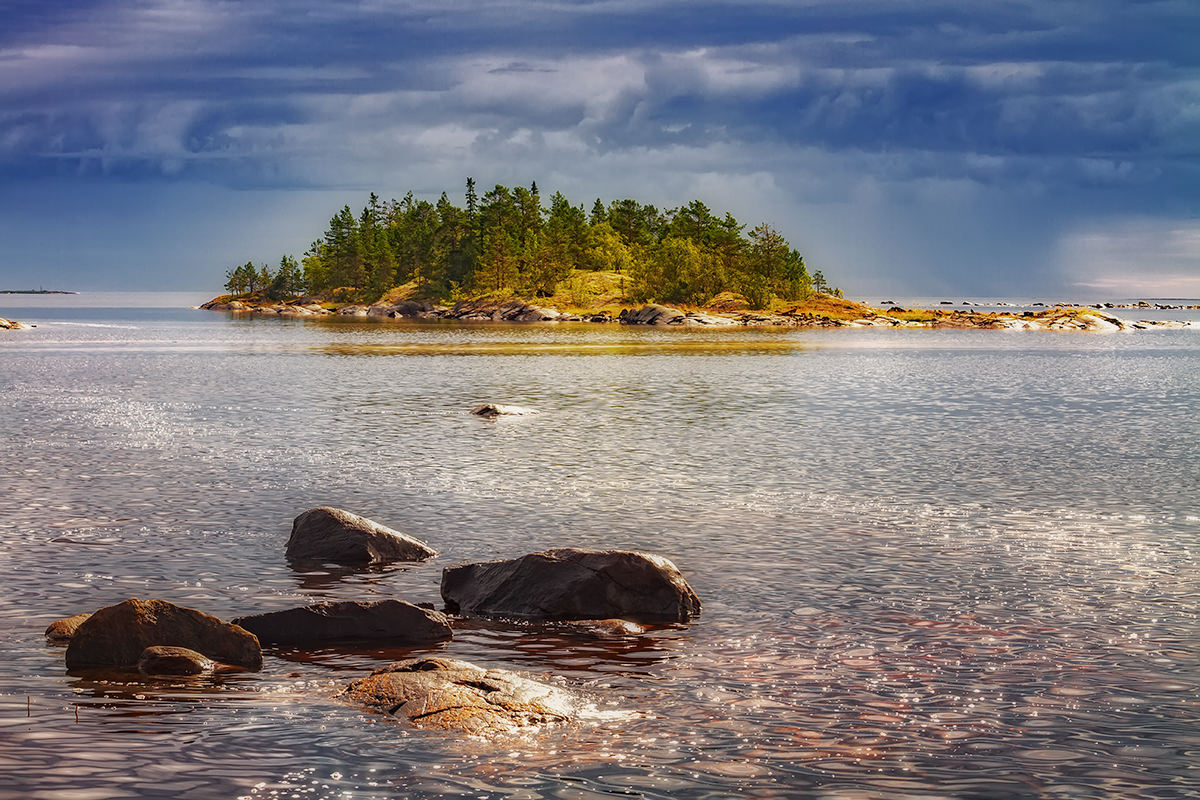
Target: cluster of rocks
<point x="660" y="315"/>
<point x="609" y="591"/>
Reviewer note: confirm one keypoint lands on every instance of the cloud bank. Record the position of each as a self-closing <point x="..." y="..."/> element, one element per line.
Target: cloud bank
<point x="925" y="146"/>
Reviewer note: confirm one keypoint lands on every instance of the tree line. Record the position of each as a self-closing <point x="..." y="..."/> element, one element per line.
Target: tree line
<point x="508" y="242"/>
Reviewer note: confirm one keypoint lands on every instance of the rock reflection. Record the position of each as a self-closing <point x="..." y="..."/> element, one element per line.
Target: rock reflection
<point x="321" y="579"/>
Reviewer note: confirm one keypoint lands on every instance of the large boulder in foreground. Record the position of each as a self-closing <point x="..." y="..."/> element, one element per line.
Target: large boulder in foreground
<point x="452" y="695"/>
<point x="332" y="535"/>
<point x="568" y="584"/>
<point x="392" y="620"/>
<point x="117" y="635"/>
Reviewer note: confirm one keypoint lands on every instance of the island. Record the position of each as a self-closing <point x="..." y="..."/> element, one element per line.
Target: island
<point x="34" y="291"/>
<point x="504" y="257"/>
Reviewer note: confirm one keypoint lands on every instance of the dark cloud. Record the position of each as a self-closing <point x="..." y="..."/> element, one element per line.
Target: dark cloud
<point x="868" y="102"/>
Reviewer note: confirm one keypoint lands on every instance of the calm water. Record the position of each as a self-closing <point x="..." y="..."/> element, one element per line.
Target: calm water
<point x="933" y="563"/>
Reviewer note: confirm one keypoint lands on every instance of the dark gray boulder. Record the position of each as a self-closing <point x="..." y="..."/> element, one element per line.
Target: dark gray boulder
<point x="116" y="636"/>
<point x="392" y="620"/>
<point x="568" y="584"/>
<point x="332" y="535"/>
<point x="166" y="660"/>
<point x="447" y="694"/>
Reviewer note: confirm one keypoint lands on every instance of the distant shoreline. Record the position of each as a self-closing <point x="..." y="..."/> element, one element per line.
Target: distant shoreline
<point x="34" y="291"/>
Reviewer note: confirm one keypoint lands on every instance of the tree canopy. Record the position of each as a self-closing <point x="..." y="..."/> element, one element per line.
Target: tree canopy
<point x="507" y="241"/>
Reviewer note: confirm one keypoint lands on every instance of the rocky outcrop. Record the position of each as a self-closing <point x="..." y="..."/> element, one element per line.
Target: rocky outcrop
<point x="569" y="584"/>
<point x="61" y="630"/>
<point x="332" y="535"/>
<point x="492" y="410"/>
<point x="651" y="315"/>
<point x="166" y="660"/>
<point x="447" y="694"/>
<point x="509" y="311"/>
<point x="394" y="621"/>
<point x="117" y="635"/>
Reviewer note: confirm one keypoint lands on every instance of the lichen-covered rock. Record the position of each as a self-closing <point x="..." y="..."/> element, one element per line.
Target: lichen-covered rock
<point x="332" y="535"/>
<point x="61" y="630"/>
<point x="167" y="660"/>
<point x="568" y="584"/>
<point x="452" y="695"/>
<point x="394" y="621"/>
<point x="116" y="636"/>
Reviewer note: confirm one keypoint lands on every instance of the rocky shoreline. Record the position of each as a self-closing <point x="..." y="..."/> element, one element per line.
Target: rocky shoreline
<point x="848" y="315"/>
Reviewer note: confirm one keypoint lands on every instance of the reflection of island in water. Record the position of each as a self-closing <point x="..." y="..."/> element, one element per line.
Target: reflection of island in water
<point x="34" y="291"/>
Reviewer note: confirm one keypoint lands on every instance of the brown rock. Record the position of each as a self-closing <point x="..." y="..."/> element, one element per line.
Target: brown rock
<point x="165" y="660"/>
<point x="392" y="620"/>
<point x="492" y="410"/>
<point x="332" y="535"/>
<point x="447" y="694"/>
<point x="573" y="584"/>
<point x="61" y="630"/>
<point x="116" y="636"/>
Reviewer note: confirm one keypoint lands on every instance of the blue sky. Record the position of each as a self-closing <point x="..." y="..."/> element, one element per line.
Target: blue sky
<point x="911" y="147"/>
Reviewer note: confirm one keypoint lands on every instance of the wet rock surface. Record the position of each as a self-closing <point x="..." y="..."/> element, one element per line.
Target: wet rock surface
<point x="117" y="635"/>
<point x="571" y="584"/>
<point x="328" y="534"/>
<point x="452" y="695"/>
<point x="61" y="630"/>
<point x="394" y="621"/>
<point x="167" y="660"/>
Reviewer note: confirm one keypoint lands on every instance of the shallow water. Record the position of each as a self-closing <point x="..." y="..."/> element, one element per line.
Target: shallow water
<point x="933" y="563"/>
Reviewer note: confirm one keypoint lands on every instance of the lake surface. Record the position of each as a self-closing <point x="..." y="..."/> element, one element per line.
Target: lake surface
<point x="933" y="563"/>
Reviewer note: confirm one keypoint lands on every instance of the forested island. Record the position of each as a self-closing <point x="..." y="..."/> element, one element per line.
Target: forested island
<point x="508" y="244"/>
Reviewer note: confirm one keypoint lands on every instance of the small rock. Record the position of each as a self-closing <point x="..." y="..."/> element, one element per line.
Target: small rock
<point x="116" y="636"/>
<point x="448" y="694"/>
<point x="394" y="620"/>
<point x="167" y="660"/>
<point x="492" y="410"/>
<point x="61" y="630"/>
<point x="332" y="535"/>
<point x="568" y="584"/>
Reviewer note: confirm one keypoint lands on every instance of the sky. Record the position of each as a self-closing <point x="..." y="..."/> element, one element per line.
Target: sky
<point x="908" y="147"/>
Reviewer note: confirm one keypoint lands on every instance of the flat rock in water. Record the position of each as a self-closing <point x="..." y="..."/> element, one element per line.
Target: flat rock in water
<point x="332" y="535"/>
<point x="567" y="584"/>
<point x="116" y="636"/>
<point x="166" y="660"/>
<point x="391" y="620"/>
<point x="61" y="630"/>
<point x="447" y="694"/>
<point x="492" y="410"/>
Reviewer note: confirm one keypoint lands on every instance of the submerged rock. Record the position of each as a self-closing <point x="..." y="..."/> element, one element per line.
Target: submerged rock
<point x="61" y="630"/>
<point x="330" y="534"/>
<point x="492" y="410"/>
<point x="117" y="635"/>
<point x="166" y="660"/>
<point x="569" y="584"/>
<point x="392" y="620"/>
<point x="448" y="694"/>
